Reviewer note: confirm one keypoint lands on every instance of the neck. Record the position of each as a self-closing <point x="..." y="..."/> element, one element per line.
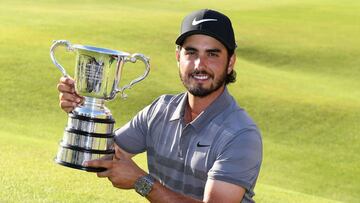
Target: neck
<point x="196" y="105"/>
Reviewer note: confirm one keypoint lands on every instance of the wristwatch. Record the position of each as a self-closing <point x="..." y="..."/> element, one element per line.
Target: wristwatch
<point x="144" y="184"/>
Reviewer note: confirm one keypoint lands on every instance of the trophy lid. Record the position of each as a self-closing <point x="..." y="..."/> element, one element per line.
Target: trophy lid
<point x="100" y="50"/>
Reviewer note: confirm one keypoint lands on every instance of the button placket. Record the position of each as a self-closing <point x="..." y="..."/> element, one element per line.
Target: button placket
<point x="184" y="141"/>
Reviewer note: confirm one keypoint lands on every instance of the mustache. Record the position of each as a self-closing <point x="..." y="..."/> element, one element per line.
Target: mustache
<point x="198" y="72"/>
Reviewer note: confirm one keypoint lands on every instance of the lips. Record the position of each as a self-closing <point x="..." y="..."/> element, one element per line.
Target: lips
<point x="200" y="75"/>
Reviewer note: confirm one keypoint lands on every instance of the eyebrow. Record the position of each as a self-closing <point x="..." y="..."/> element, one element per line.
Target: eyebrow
<point x="215" y="50"/>
<point x="190" y="49"/>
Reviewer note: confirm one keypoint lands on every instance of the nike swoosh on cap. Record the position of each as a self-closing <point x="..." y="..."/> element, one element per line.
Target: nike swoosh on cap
<point x="197" y="22"/>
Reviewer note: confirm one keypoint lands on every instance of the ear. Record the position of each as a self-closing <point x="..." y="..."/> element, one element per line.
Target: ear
<point x="177" y="54"/>
<point x="231" y="63"/>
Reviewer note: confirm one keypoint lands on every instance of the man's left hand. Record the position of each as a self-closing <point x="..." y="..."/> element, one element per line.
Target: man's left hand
<point x="122" y="171"/>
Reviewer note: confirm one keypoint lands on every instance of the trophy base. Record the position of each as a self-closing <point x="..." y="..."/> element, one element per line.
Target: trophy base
<point x="80" y="167"/>
<point x="74" y="157"/>
<point x="85" y="139"/>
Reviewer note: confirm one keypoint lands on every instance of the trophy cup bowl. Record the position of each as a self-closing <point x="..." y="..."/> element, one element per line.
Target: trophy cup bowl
<point x="89" y="131"/>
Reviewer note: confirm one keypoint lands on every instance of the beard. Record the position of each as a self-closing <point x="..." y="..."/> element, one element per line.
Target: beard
<point x="198" y="89"/>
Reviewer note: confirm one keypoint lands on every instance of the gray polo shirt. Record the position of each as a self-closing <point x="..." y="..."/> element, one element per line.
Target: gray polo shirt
<point x="222" y="143"/>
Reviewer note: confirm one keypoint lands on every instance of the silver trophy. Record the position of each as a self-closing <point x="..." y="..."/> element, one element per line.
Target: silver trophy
<point x="89" y="132"/>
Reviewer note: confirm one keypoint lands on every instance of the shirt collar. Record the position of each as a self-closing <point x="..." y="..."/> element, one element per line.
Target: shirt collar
<point x="216" y="107"/>
<point x="179" y="111"/>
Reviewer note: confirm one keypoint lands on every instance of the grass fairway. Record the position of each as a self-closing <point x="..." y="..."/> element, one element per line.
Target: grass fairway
<point x="298" y="71"/>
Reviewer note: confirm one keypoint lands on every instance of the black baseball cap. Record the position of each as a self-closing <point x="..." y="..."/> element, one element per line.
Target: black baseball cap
<point x="208" y="22"/>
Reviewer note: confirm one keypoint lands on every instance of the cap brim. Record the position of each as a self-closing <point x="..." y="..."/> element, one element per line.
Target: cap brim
<point x="180" y="40"/>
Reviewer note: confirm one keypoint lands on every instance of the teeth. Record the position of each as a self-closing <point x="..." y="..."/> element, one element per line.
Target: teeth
<point x="201" y="77"/>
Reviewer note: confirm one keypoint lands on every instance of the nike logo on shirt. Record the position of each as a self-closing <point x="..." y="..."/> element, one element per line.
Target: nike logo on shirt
<point x="202" y="145"/>
<point x="197" y="22"/>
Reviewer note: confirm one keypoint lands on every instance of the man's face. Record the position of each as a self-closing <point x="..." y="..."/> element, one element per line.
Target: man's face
<point x="203" y="65"/>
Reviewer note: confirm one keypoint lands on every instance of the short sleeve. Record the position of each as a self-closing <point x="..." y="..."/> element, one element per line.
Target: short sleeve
<point x="132" y="136"/>
<point x="239" y="161"/>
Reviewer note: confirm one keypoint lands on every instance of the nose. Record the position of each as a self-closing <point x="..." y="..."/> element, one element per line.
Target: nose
<point x="200" y="63"/>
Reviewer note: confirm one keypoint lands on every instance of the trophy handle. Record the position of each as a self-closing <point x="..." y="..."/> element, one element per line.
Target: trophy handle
<point x="55" y="44"/>
<point x="133" y="58"/>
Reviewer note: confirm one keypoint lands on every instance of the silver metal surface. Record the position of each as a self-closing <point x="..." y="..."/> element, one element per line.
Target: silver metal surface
<point x="98" y="70"/>
<point x="52" y="54"/>
<point x="75" y="157"/>
<point x="88" y="142"/>
<point x="133" y="59"/>
<point x="95" y="74"/>
<point x="93" y="108"/>
<point x="90" y="127"/>
<point x="100" y="50"/>
<point x="97" y="77"/>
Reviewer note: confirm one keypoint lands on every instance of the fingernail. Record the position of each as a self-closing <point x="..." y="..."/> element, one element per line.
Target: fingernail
<point x="78" y="100"/>
<point x="85" y="163"/>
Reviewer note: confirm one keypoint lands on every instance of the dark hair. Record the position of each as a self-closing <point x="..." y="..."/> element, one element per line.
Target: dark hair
<point x="231" y="77"/>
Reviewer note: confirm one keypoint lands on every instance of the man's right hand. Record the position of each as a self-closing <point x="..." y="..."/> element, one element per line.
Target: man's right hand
<point x="68" y="97"/>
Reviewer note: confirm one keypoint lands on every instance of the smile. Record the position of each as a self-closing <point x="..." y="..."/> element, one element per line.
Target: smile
<point x="201" y="77"/>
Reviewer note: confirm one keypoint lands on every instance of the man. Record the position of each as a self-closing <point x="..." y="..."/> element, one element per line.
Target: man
<point x="201" y="147"/>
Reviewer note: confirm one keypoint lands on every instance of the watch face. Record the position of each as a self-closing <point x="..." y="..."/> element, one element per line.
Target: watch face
<point x="144" y="185"/>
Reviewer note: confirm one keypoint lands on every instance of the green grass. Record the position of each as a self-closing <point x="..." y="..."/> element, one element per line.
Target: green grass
<point x="298" y="70"/>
